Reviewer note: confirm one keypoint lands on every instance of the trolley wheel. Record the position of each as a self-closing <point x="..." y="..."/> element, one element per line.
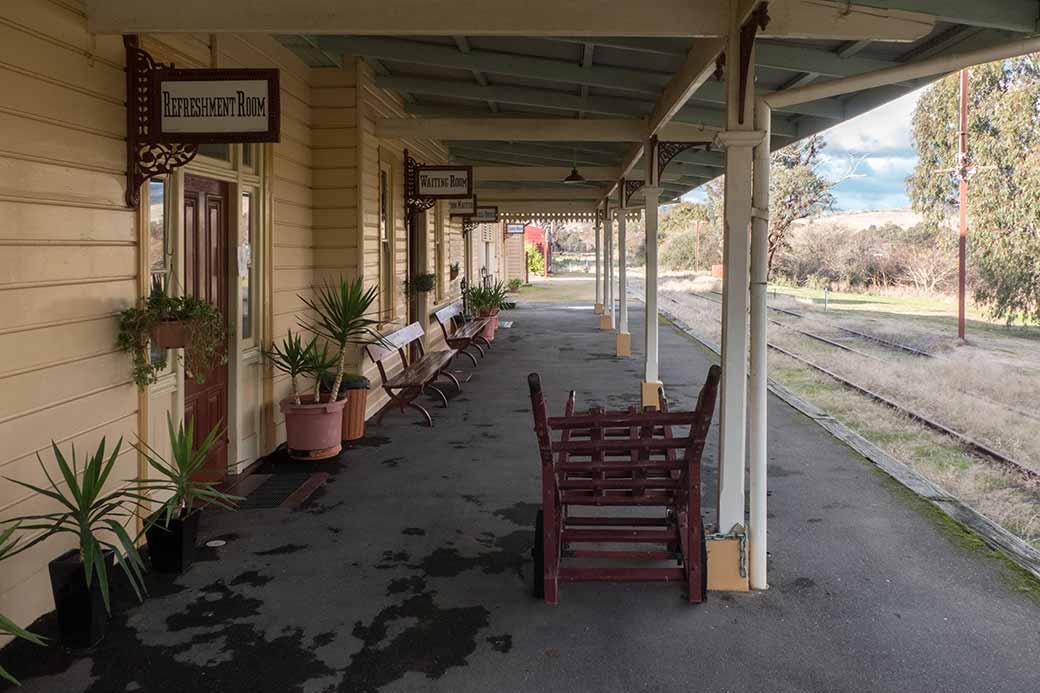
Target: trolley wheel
<point x="538" y="554"/>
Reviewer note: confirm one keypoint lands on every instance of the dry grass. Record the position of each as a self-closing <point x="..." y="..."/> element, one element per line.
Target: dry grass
<point x="985" y="390"/>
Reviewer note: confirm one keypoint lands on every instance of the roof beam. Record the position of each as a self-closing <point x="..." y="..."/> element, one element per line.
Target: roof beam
<point x="588" y="18"/>
<point x="839" y="20"/>
<point x="709" y="118"/>
<point x="533" y="129"/>
<point x="1011" y="15"/>
<point x="541" y="173"/>
<point x="559" y="192"/>
<point x="412" y="17"/>
<point x="506" y="153"/>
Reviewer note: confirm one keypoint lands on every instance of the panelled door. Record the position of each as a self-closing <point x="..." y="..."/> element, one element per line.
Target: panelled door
<point x="206" y="264"/>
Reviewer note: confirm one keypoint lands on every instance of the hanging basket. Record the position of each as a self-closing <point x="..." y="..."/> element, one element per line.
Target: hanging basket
<point x="171" y="334"/>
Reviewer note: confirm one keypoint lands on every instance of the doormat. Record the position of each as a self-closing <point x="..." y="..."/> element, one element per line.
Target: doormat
<point x="285" y="491"/>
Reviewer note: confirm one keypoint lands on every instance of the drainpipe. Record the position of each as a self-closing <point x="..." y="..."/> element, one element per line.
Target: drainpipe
<point x="757" y="392"/>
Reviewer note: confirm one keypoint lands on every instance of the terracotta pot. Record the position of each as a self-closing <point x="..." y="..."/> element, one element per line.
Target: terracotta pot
<point x="354" y="414"/>
<point x="313" y="431"/>
<point x="170" y="334"/>
<point x="492" y="324"/>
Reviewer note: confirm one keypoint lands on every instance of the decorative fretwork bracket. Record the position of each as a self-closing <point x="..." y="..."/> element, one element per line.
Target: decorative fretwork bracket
<point x="468" y="224"/>
<point x="412" y="201"/>
<point x="666" y="151"/>
<point x="145" y="159"/>
<point x="629" y="188"/>
<point x="758" y="21"/>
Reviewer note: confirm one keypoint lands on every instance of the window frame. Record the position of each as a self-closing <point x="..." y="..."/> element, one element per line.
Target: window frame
<point x="386" y="237"/>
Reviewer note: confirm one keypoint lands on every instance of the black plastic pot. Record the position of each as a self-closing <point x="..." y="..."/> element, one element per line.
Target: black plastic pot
<point x="172" y="548"/>
<point x="82" y="619"/>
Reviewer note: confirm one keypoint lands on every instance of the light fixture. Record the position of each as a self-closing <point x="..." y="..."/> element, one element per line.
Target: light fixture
<point x="574" y="176"/>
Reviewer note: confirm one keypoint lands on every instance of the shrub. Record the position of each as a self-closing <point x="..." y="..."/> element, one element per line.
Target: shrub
<point x="535" y="259"/>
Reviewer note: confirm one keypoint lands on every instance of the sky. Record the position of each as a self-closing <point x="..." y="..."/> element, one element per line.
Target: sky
<point x="877" y="148"/>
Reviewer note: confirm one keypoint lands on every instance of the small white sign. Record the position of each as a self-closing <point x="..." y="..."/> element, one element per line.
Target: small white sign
<point x="444" y="181"/>
<point x="225" y="106"/>
<point x="515" y="228"/>
<point x="486" y="215"/>
<point x="463" y="207"/>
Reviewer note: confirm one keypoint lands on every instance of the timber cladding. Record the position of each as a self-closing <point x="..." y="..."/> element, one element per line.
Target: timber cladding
<point x="72" y="254"/>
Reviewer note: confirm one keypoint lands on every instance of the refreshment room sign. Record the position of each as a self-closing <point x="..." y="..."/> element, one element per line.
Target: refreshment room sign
<point x="214" y="106"/>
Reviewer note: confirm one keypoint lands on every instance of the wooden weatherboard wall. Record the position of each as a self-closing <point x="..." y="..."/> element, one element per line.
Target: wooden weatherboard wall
<point x="72" y="256"/>
<point x="69" y="264"/>
<point x="372" y="151"/>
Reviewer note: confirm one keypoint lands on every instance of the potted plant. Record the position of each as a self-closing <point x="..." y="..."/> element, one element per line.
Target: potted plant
<point x="7" y="626"/>
<point x="97" y="517"/>
<point x="172" y="530"/>
<point x="515" y="283"/>
<point x="453" y="270"/>
<point x="343" y="312"/>
<point x="172" y="322"/>
<point x="488" y="301"/>
<point x="421" y="283"/>
<point x="354" y="391"/>
<point x="313" y="428"/>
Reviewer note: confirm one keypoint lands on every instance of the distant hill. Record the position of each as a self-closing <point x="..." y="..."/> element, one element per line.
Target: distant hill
<point x="857" y="221"/>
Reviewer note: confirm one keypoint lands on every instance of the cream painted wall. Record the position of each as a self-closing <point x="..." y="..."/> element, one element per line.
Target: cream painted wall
<point x="376" y="103"/>
<point x="71" y="257"/>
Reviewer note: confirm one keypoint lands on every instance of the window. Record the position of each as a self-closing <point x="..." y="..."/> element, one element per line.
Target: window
<point x="216" y="151"/>
<point x="160" y="249"/>
<point x="386" y="243"/>
<point x="249" y="155"/>
<point x="246" y="275"/>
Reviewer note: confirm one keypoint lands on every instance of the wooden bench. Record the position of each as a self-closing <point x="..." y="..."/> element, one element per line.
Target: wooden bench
<point x="621" y="460"/>
<point x="418" y="376"/>
<point x="459" y="334"/>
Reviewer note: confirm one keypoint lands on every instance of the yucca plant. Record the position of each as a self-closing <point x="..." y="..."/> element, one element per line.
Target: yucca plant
<point x="177" y="475"/>
<point x="293" y="358"/>
<point x="87" y="511"/>
<point x="341" y="317"/>
<point x="320" y="362"/>
<point x="7" y="626"/>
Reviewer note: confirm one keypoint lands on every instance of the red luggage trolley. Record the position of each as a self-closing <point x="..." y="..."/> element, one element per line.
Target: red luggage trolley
<point x="620" y="460"/>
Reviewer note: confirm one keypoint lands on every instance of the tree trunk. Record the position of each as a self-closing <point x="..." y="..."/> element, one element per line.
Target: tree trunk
<point x="339" y="373"/>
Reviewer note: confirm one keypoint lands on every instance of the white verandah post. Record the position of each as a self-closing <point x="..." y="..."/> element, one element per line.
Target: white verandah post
<point x="599" y="284"/>
<point x="624" y="338"/>
<point x="739" y="141"/>
<point x="606" y="321"/>
<point x="758" y="395"/>
<point x="651" y="377"/>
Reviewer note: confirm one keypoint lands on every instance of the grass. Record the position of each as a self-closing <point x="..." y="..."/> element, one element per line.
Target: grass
<point x="969" y="391"/>
<point x="578" y="288"/>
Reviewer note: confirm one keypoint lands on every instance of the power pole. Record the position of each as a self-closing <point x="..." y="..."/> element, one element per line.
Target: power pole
<point x="962" y="173"/>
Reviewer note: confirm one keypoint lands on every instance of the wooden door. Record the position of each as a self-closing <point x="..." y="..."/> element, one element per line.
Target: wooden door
<point x="206" y="263"/>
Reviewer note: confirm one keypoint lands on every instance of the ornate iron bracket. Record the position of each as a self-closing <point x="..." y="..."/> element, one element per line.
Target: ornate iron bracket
<point x="412" y="201"/>
<point x="468" y="225"/>
<point x="666" y="151"/>
<point x="145" y="159"/>
<point x="629" y="188"/>
<point x="758" y="21"/>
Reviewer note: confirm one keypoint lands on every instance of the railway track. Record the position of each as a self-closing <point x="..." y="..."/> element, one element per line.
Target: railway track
<point x="980" y="449"/>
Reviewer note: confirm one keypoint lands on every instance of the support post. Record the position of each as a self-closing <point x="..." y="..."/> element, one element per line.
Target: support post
<point x="651" y="376"/>
<point x="606" y="321"/>
<point x="758" y="394"/>
<point x="962" y="170"/>
<point x="736" y="242"/>
<point x="599" y="284"/>
<point x="624" y="338"/>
